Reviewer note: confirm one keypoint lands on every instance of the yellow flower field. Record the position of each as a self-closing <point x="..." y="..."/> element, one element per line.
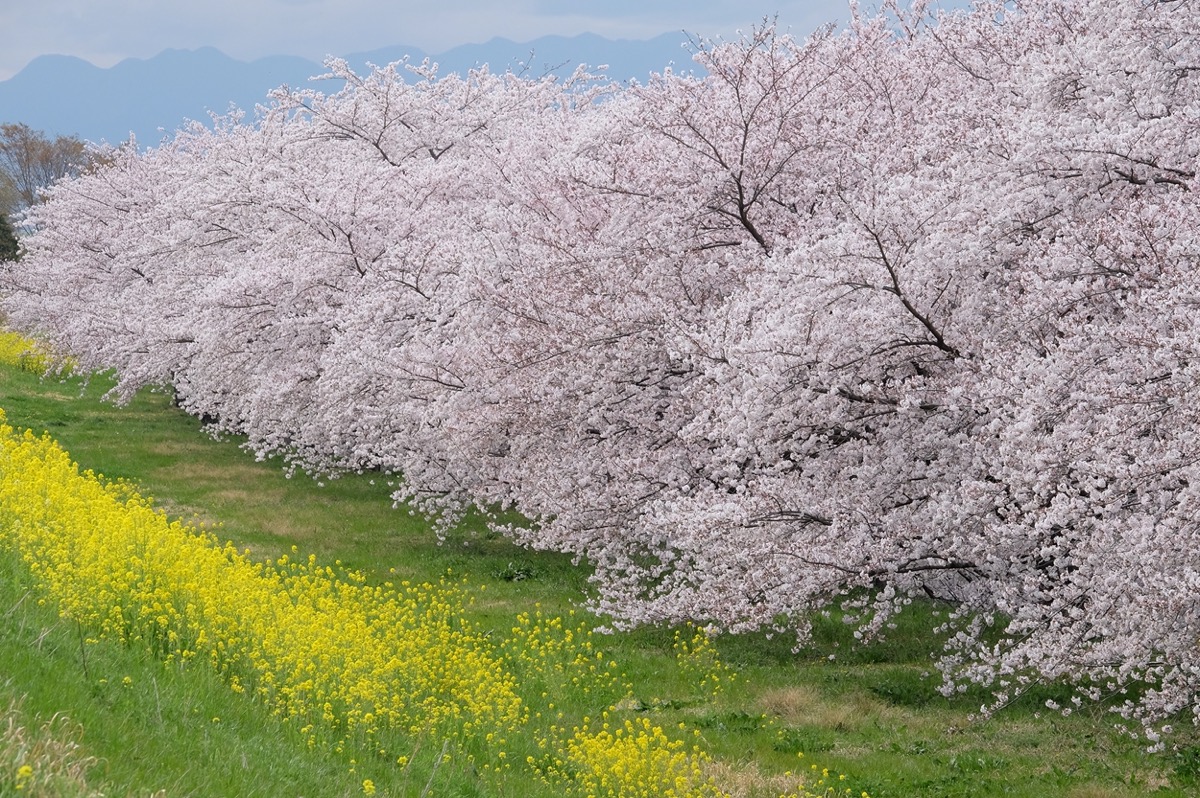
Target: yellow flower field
<point x="23" y="353"/>
<point x="312" y="643"/>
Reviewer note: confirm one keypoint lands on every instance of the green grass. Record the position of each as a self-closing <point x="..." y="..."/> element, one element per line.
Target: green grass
<point x="872" y="712"/>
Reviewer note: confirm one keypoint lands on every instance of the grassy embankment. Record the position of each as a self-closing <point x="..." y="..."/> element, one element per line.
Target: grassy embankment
<point x="81" y="714"/>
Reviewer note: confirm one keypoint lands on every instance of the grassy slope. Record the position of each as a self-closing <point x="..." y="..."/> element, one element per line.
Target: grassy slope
<point x="869" y="713"/>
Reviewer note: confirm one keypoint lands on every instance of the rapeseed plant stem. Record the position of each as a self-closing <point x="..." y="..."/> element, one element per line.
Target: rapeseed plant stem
<point x="82" y="651"/>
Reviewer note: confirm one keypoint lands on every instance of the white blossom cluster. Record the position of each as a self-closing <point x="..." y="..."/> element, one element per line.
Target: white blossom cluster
<point x="909" y="308"/>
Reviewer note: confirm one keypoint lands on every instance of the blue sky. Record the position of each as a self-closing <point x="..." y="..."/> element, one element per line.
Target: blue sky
<point x="107" y="31"/>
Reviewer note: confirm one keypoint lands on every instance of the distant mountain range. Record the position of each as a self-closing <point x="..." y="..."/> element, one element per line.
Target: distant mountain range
<point x="151" y="98"/>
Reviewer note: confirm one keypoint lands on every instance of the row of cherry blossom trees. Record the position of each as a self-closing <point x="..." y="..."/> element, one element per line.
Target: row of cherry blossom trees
<point x="907" y="308"/>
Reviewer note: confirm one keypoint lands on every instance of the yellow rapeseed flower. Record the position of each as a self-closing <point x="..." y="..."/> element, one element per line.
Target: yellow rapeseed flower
<point x="314" y="642"/>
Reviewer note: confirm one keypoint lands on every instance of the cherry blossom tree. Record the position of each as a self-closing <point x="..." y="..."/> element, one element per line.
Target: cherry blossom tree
<point x="895" y="311"/>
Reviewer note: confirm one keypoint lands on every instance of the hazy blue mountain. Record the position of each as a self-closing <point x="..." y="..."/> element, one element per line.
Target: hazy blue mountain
<point x="151" y="98"/>
<point x="66" y="95"/>
<point x="559" y="55"/>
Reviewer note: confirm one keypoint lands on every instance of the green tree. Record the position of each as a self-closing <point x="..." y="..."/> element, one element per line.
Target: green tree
<point x="10" y="248"/>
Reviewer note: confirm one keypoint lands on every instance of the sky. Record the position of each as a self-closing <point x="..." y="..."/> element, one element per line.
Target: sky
<point x="105" y="32"/>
